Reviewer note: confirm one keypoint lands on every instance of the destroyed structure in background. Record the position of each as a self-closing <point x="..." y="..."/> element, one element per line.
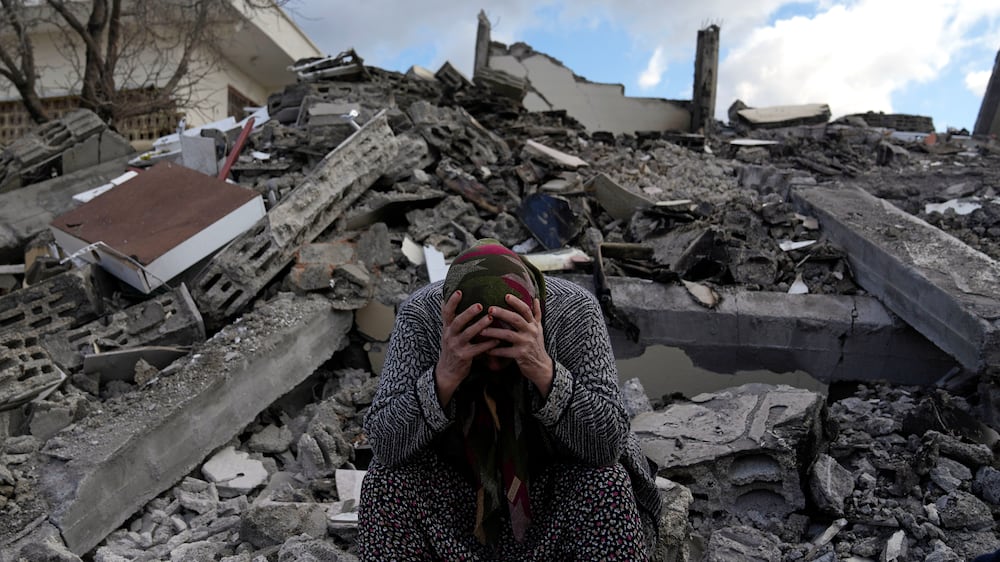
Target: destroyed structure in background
<point x="218" y="414"/>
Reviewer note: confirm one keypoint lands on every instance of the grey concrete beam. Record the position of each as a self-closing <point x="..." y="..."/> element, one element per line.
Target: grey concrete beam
<point x="831" y="337"/>
<point x="110" y="464"/>
<point x="236" y="274"/>
<point x="939" y="285"/>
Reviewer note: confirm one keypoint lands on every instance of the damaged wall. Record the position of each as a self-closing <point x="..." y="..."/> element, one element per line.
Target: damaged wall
<point x="597" y="106"/>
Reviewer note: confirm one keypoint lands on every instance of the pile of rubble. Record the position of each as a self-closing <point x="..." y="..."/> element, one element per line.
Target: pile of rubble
<point x="217" y="414"/>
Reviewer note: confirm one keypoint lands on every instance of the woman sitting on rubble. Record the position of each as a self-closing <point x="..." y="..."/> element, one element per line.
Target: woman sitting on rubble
<point x="496" y="439"/>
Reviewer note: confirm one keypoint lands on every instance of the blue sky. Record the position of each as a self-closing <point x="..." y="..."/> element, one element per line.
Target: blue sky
<point x="925" y="57"/>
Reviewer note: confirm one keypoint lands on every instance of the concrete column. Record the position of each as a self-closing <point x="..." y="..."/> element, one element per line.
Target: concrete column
<point x="706" y="78"/>
<point x="482" y="59"/>
<point x="988" y="122"/>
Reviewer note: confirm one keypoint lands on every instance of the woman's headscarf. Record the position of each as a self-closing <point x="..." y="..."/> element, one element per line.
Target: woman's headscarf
<point x="493" y="408"/>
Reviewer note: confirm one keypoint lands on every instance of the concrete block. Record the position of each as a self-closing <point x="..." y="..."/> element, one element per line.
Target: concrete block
<point x="67" y="300"/>
<point x="831" y="337"/>
<point x="26" y="370"/>
<point x="111" y="463"/>
<point x="168" y="319"/>
<point x="943" y="288"/>
<point x="237" y="273"/>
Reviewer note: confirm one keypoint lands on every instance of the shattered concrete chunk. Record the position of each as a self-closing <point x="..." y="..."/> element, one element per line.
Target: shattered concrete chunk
<point x="733" y="448"/>
<point x="960" y="510"/>
<point x="742" y="543"/>
<point x="457" y="134"/>
<point x="830" y="484"/>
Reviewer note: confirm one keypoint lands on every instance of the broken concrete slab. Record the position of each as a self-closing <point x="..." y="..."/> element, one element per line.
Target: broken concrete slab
<point x="784" y="115"/>
<point x="502" y="83"/>
<point x="551" y="156"/>
<point x="619" y="202"/>
<point x="92" y="475"/>
<point x="833" y="338"/>
<point x="237" y="274"/>
<point x="933" y="281"/>
<point x="452" y="77"/>
<point x="737" y="450"/>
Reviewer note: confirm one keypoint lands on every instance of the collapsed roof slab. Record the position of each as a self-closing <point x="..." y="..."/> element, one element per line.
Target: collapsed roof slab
<point x="111" y="463"/>
<point x="942" y="287"/>
<point x="831" y="337"/>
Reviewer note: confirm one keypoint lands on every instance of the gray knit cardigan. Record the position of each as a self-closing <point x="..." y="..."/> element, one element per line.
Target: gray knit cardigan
<point x="583" y="413"/>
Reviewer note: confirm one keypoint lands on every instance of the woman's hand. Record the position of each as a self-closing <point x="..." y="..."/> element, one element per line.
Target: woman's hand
<point x="527" y="342"/>
<point x="459" y="345"/>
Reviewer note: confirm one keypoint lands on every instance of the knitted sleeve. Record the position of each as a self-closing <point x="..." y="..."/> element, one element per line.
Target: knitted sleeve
<point x="584" y="410"/>
<point x="405" y="414"/>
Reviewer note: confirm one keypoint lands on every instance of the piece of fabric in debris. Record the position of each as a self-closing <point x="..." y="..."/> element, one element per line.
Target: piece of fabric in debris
<point x="498" y="439"/>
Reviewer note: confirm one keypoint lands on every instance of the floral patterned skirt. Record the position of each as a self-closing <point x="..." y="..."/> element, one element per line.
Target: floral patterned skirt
<point x="425" y="510"/>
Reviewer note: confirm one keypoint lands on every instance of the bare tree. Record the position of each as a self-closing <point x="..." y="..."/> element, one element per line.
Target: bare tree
<point x="129" y="57"/>
<point x="17" y="56"/>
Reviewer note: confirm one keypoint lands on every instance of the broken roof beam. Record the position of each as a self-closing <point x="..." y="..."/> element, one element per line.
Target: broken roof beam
<point x="242" y="269"/>
<point x="831" y="337"/>
<point x="939" y="285"/>
<point x="110" y="464"/>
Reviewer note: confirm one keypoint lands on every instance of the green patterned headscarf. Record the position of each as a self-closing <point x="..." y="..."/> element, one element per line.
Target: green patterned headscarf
<point x="493" y="411"/>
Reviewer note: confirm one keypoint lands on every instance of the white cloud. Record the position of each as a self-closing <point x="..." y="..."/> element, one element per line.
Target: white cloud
<point x="976" y="81"/>
<point x="654" y="70"/>
<point x="854" y="55"/>
<point x="847" y="56"/>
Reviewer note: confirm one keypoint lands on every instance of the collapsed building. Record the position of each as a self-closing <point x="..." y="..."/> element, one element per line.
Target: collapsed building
<point x="203" y="400"/>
